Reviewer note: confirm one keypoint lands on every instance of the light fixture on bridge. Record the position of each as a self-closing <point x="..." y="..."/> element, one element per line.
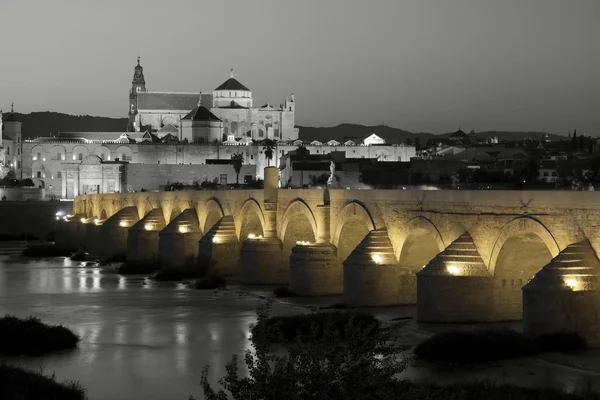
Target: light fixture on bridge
<point x="251" y="236"/>
<point x="216" y="239"/>
<point x="148" y="227"/>
<point x="183" y="229"/>
<point x="453" y="269"/>
<point x="96" y="221"/>
<point x="573" y="283"/>
<point x="302" y="243"/>
<point x="377" y="259"/>
<point x="82" y="220"/>
<point x="123" y="224"/>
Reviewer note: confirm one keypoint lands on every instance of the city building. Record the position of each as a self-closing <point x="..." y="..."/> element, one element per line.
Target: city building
<point x="10" y="142"/>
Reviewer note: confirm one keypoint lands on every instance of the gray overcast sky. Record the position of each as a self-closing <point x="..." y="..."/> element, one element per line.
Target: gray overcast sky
<point x="419" y="65"/>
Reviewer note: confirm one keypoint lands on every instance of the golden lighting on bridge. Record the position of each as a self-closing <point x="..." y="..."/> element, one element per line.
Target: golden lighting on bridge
<point x="216" y="239"/>
<point x="302" y="243"/>
<point x="377" y="259"/>
<point x="453" y="269"/>
<point x="123" y="224"/>
<point x="96" y="221"/>
<point x="183" y="229"/>
<point x="148" y="227"/>
<point x="252" y="236"/>
<point x="573" y="283"/>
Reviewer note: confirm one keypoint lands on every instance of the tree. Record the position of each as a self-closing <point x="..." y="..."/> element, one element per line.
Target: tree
<point x="319" y="365"/>
<point x="268" y="149"/>
<point x="237" y="159"/>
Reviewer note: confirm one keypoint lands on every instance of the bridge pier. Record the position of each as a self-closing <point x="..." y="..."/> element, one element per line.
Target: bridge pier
<point x="178" y="241"/>
<point x="143" y="238"/>
<point x="564" y="296"/>
<point x="371" y="272"/>
<point x="109" y="239"/>
<point x="261" y="261"/>
<point x="315" y="270"/>
<point x="221" y="248"/>
<point x="455" y="286"/>
<point x="70" y="233"/>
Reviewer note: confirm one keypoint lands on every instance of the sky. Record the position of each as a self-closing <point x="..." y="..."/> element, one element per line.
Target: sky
<point x="418" y="65"/>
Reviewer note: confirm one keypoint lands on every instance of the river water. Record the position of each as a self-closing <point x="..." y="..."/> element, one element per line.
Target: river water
<point x="148" y="340"/>
<point x="138" y="341"/>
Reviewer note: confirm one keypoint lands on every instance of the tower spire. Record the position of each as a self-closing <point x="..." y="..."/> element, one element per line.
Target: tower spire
<point x="12" y="106"/>
<point x="200" y="99"/>
<point x="231" y="71"/>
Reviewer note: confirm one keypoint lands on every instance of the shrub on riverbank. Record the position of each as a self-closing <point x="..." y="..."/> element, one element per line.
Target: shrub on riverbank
<point x="45" y="250"/>
<point x="283" y="292"/>
<point x="472" y="347"/>
<point x="23" y="384"/>
<point x="32" y="337"/>
<point x="290" y="325"/>
<point x="192" y="269"/>
<point x="137" y="267"/>
<point x="210" y="281"/>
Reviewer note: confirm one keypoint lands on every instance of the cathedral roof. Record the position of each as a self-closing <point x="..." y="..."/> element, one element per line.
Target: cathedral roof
<point x="11" y="118"/>
<point x="166" y="101"/>
<point x="201" y="113"/>
<point x="232" y="84"/>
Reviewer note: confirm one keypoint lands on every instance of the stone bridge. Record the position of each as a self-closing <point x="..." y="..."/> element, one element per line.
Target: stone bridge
<point x="461" y="256"/>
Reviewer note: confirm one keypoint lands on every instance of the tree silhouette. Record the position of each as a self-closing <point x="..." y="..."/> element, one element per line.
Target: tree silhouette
<point x="268" y="149"/>
<point x="237" y="160"/>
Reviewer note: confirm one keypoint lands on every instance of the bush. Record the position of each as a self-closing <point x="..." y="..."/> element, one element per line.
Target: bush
<point x="289" y="326"/>
<point x="561" y="343"/>
<point x="31" y="337"/>
<point x="324" y="367"/>
<point x="23" y="384"/>
<point x="193" y="269"/>
<point x="283" y="291"/>
<point x="210" y="281"/>
<point x="45" y="250"/>
<point x="472" y="347"/>
<point x="137" y="267"/>
<point x="79" y="255"/>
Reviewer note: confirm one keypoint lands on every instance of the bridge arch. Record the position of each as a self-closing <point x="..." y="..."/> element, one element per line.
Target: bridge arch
<point x="352" y="224"/>
<point x="522" y="225"/>
<point x="523" y="247"/>
<point x="213" y="212"/>
<point x="418" y="226"/>
<point x="250" y="220"/>
<point x="297" y="208"/>
<point x="103" y="214"/>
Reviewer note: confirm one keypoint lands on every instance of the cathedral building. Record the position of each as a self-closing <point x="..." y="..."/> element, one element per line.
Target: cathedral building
<point x="231" y="102"/>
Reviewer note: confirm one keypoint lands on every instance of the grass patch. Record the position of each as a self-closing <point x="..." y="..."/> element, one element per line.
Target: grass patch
<point x="137" y="267"/>
<point x="24" y="384"/>
<point x="45" y="250"/>
<point x="210" y="281"/>
<point x="289" y="326"/>
<point x="474" y="347"/>
<point x="283" y="292"/>
<point x="32" y="337"/>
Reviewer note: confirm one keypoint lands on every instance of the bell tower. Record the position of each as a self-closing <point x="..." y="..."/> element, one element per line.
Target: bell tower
<point x="138" y="84"/>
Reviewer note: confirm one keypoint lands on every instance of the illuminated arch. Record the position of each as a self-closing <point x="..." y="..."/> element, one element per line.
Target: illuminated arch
<point x="522" y="225"/>
<point x="250" y="205"/>
<point x="419" y="223"/>
<point x="211" y="205"/>
<point x="354" y="208"/>
<point x="296" y="207"/>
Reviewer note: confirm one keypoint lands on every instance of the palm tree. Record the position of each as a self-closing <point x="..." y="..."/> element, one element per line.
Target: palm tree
<point x="268" y="149"/>
<point x="237" y="160"/>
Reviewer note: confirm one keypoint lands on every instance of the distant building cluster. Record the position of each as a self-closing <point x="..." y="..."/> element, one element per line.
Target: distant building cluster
<point x="187" y="138"/>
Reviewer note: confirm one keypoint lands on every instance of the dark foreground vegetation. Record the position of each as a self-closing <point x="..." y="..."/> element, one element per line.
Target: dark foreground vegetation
<point x="46" y="250"/>
<point x="360" y="363"/>
<point x="289" y="326"/>
<point x="20" y="237"/>
<point x="138" y="267"/>
<point x="32" y="337"/>
<point x="472" y="347"/>
<point x="22" y="384"/>
<point x="283" y="292"/>
<point x="210" y="281"/>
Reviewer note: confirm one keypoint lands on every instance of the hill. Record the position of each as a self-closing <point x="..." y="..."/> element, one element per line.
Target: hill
<point x="47" y="123"/>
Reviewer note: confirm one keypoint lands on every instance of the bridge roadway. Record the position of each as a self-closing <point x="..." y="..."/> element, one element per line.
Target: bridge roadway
<point x="461" y="256"/>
